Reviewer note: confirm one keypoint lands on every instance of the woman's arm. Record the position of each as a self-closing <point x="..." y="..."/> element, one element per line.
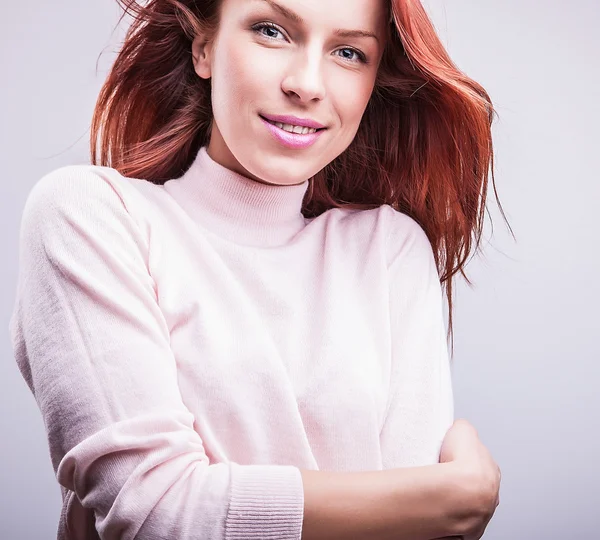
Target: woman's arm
<point x="94" y="347"/>
<point x="420" y="407"/>
<point x="414" y="497"/>
<point x="413" y="503"/>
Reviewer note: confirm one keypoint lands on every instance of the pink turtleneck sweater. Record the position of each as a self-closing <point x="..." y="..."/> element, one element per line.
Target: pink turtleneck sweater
<point x="192" y="346"/>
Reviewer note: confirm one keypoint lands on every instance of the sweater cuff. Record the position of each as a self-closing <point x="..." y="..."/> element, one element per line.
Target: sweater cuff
<point x="267" y="501"/>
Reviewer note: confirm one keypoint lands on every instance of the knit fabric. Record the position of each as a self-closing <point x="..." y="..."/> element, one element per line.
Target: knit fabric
<point x="191" y="346"/>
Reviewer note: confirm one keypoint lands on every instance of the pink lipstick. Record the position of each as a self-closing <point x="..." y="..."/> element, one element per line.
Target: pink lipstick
<point x="292" y="140"/>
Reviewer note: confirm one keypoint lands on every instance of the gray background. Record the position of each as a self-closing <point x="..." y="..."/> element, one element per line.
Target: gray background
<point x="527" y="353"/>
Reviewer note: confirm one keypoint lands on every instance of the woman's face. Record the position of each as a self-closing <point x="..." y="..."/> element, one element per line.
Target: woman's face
<point x="286" y="57"/>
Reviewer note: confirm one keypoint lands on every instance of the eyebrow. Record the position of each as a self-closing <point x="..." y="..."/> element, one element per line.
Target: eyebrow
<point x="299" y="20"/>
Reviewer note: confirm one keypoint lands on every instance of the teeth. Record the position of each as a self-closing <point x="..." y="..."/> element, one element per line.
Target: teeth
<point x="295" y="129"/>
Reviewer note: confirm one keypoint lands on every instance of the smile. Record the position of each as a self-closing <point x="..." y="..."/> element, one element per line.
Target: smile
<point x="292" y="136"/>
<point x="300" y="130"/>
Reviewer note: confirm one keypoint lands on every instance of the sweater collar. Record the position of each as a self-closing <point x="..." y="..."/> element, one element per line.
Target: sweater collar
<point x="236" y="207"/>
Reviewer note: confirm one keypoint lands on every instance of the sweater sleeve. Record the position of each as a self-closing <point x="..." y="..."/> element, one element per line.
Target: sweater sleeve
<point x="93" y="346"/>
<point x="420" y="407"/>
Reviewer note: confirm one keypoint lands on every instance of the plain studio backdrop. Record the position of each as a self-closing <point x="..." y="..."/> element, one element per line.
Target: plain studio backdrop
<point x="527" y="335"/>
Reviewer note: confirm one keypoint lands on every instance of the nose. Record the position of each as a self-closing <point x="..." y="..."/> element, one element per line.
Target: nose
<point x="304" y="80"/>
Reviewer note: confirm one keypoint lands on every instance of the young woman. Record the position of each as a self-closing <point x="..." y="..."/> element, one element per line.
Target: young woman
<point x="232" y="321"/>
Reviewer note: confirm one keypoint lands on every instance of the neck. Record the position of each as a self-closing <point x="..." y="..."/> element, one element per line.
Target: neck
<point x="236" y="207"/>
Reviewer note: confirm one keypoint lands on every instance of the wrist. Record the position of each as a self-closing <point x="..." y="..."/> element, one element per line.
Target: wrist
<point x="460" y="504"/>
<point x="427" y="501"/>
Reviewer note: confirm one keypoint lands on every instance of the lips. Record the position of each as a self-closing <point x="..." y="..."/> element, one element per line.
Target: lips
<point x="291" y="140"/>
<point x="274" y="123"/>
<point x="293" y="121"/>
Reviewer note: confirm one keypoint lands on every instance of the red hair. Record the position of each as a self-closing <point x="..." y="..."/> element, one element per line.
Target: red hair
<point x="424" y="145"/>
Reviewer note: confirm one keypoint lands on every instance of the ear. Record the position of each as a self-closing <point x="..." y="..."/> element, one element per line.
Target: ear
<point x="201" y="55"/>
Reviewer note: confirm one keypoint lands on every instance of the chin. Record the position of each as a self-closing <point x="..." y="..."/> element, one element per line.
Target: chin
<point x="278" y="177"/>
<point x="272" y="165"/>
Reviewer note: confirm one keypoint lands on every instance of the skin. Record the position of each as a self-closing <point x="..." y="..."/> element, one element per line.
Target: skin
<point x="297" y="68"/>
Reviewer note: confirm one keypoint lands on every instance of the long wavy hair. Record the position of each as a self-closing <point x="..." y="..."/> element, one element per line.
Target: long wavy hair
<point x="424" y="145"/>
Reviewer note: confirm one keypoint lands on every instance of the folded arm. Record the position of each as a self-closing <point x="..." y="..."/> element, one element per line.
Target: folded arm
<point x="93" y="346"/>
<point x="420" y="406"/>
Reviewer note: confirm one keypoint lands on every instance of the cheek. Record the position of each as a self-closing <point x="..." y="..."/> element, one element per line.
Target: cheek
<point x="351" y="98"/>
<point x="228" y="78"/>
<point x="243" y="75"/>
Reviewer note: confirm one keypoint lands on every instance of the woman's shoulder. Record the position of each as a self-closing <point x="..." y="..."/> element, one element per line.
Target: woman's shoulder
<point x="393" y="225"/>
<point x="84" y="201"/>
<point x="77" y="180"/>
<point x="405" y="237"/>
<point x="72" y="189"/>
<point x="383" y="228"/>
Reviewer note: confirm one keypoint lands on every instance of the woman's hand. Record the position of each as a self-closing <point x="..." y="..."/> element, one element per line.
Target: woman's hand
<point x="478" y="477"/>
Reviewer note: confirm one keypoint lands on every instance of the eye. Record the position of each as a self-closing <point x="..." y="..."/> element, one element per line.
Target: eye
<point x="271" y="27"/>
<point x="361" y="57"/>
<point x="258" y="29"/>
